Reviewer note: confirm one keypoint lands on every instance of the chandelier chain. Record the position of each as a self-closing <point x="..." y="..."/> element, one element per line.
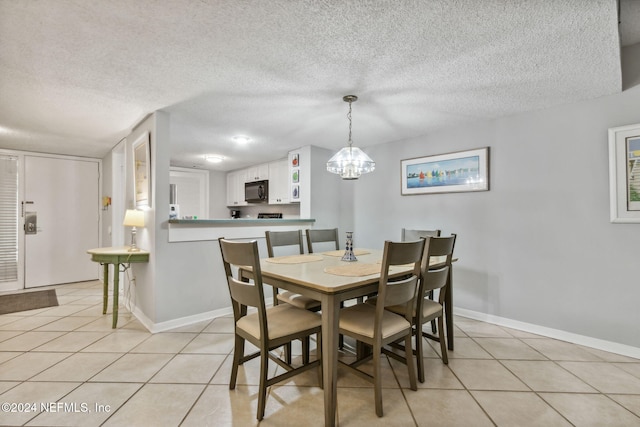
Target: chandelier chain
<point x="349" y="117"/>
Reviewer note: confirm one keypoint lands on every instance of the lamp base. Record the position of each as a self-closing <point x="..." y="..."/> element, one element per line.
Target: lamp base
<point x="133" y="249"/>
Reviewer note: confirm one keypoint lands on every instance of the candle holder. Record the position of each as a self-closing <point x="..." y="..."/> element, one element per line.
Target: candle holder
<point x="349" y="256"/>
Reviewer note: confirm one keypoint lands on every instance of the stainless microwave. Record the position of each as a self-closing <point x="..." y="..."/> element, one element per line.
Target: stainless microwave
<point x="256" y="192"/>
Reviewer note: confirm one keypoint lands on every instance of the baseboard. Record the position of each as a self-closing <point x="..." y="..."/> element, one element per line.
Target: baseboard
<point x="182" y="321"/>
<point x="612" y="347"/>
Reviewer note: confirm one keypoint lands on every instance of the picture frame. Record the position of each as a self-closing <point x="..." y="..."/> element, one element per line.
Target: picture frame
<point x="624" y="174"/>
<point x="142" y="171"/>
<point x="460" y="171"/>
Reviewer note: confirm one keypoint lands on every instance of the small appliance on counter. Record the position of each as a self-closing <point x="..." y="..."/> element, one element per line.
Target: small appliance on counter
<point x="235" y="214"/>
<point x="269" y="215"/>
<point x="174" y="208"/>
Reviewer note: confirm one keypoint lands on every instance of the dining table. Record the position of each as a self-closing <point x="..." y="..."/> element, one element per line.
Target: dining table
<point x="328" y="279"/>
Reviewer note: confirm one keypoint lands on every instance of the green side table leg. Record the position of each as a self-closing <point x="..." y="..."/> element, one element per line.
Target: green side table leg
<point x="116" y="292"/>
<point x="105" y="296"/>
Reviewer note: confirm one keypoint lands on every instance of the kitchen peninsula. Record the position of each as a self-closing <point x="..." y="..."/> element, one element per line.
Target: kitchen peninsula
<point x="191" y="230"/>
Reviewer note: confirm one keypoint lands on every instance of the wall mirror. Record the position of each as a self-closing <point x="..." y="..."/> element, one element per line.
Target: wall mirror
<point x="142" y="171"/>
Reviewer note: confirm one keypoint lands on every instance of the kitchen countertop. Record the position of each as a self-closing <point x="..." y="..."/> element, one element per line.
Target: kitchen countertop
<point x="241" y="221"/>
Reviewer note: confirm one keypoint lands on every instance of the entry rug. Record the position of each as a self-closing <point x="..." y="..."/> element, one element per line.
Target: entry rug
<point x="24" y="301"/>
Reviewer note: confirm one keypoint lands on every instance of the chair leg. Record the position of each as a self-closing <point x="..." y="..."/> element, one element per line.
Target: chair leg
<point x="433" y="322"/>
<point x="377" y="381"/>
<point x="409" y="359"/>
<point x="287" y="353"/>
<point x="262" y="392"/>
<point x="419" y="353"/>
<point x="319" y="356"/>
<point x="443" y="340"/>
<point x="305" y="349"/>
<point x="238" y="352"/>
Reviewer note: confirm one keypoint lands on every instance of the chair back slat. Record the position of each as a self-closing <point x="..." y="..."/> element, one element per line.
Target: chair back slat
<point x="401" y="292"/>
<point x="244" y="293"/>
<point x="283" y="238"/>
<point x="320" y="236"/>
<point x="435" y="279"/>
<point x="408" y="234"/>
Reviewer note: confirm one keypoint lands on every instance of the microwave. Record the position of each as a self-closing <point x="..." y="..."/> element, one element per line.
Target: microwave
<point x="256" y="192"/>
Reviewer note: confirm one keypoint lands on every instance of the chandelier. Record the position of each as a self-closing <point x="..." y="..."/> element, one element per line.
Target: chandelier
<point x="350" y="162"/>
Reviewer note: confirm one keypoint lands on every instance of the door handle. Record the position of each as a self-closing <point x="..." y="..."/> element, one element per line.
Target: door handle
<point x="30" y="223"/>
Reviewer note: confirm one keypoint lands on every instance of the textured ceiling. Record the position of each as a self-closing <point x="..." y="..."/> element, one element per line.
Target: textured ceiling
<point x="77" y="75"/>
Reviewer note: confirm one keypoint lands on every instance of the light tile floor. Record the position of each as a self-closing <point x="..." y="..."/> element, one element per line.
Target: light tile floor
<point x="68" y="360"/>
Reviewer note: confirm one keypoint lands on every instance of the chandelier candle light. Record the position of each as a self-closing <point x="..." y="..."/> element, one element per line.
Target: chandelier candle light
<point x="350" y="162"/>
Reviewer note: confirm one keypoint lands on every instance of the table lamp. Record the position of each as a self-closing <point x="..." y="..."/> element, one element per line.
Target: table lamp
<point x="133" y="218"/>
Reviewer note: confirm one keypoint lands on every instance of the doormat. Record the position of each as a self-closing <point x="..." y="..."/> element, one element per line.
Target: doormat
<point x="27" y="301"/>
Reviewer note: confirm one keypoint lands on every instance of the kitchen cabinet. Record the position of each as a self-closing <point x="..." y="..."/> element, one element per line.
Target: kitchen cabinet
<point x="257" y="172"/>
<point x="235" y="188"/>
<point x="279" y="182"/>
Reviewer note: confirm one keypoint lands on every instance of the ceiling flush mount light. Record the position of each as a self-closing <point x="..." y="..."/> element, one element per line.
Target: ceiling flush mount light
<point x="213" y="158"/>
<point x="241" y="139"/>
<point x="350" y="162"/>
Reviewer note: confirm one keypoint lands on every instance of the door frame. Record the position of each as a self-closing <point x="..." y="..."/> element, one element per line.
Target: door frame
<point x="21" y="198"/>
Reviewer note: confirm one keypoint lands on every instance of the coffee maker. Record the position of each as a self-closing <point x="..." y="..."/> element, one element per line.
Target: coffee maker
<point x="235" y="213"/>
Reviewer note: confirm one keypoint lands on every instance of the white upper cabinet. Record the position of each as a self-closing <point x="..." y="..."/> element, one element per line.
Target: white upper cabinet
<point x="235" y="188"/>
<point x="279" y="182"/>
<point x="257" y="173"/>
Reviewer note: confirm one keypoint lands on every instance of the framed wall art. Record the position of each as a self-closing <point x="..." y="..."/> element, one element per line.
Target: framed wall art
<point x="624" y="174"/>
<point x="446" y="173"/>
<point x="142" y="171"/>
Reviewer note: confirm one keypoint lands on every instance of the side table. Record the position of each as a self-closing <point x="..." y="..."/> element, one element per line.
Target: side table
<point x="116" y="256"/>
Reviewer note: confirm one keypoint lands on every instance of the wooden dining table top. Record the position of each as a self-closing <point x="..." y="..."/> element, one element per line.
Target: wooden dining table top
<point x="313" y="274"/>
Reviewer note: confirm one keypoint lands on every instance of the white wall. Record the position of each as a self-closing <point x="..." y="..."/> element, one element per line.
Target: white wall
<point x="538" y="247"/>
<point x="218" y="195"/>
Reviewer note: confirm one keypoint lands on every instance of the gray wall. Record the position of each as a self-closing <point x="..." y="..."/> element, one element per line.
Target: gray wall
<point x="538" y="247"/>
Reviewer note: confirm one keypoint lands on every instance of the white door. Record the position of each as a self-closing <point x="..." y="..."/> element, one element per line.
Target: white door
<point x="64" y="195"/>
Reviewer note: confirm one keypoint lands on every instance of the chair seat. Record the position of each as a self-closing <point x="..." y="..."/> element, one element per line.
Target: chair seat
<point x="430" y="309"/>
<point x="282" y="320"/>
<point x="359" y="320"/>
<point x="298" y="300"/>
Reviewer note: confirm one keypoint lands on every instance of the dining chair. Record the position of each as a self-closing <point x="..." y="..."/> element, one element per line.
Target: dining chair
<point x="281" y="239"/>
<point x="322" y="236"/>
<point x="291" y="239"/>
<point x="425" y="309"/>
<point x="375" y="326"/>
<point x="408" y="234"/>
<point x="266" y="328"/>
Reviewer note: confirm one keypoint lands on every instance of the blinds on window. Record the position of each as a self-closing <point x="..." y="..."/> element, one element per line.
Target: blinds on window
<point x="8" y="218"/>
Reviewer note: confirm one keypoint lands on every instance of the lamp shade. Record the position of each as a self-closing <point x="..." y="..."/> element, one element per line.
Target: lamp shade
<point x="350" y="163"/>
<point x="133" y="218"/>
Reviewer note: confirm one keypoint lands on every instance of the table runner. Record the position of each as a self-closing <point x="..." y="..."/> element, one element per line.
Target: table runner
<point x="356" y="252"/>
<point x="294" y="259"/>
<point x="355" y="269"/>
